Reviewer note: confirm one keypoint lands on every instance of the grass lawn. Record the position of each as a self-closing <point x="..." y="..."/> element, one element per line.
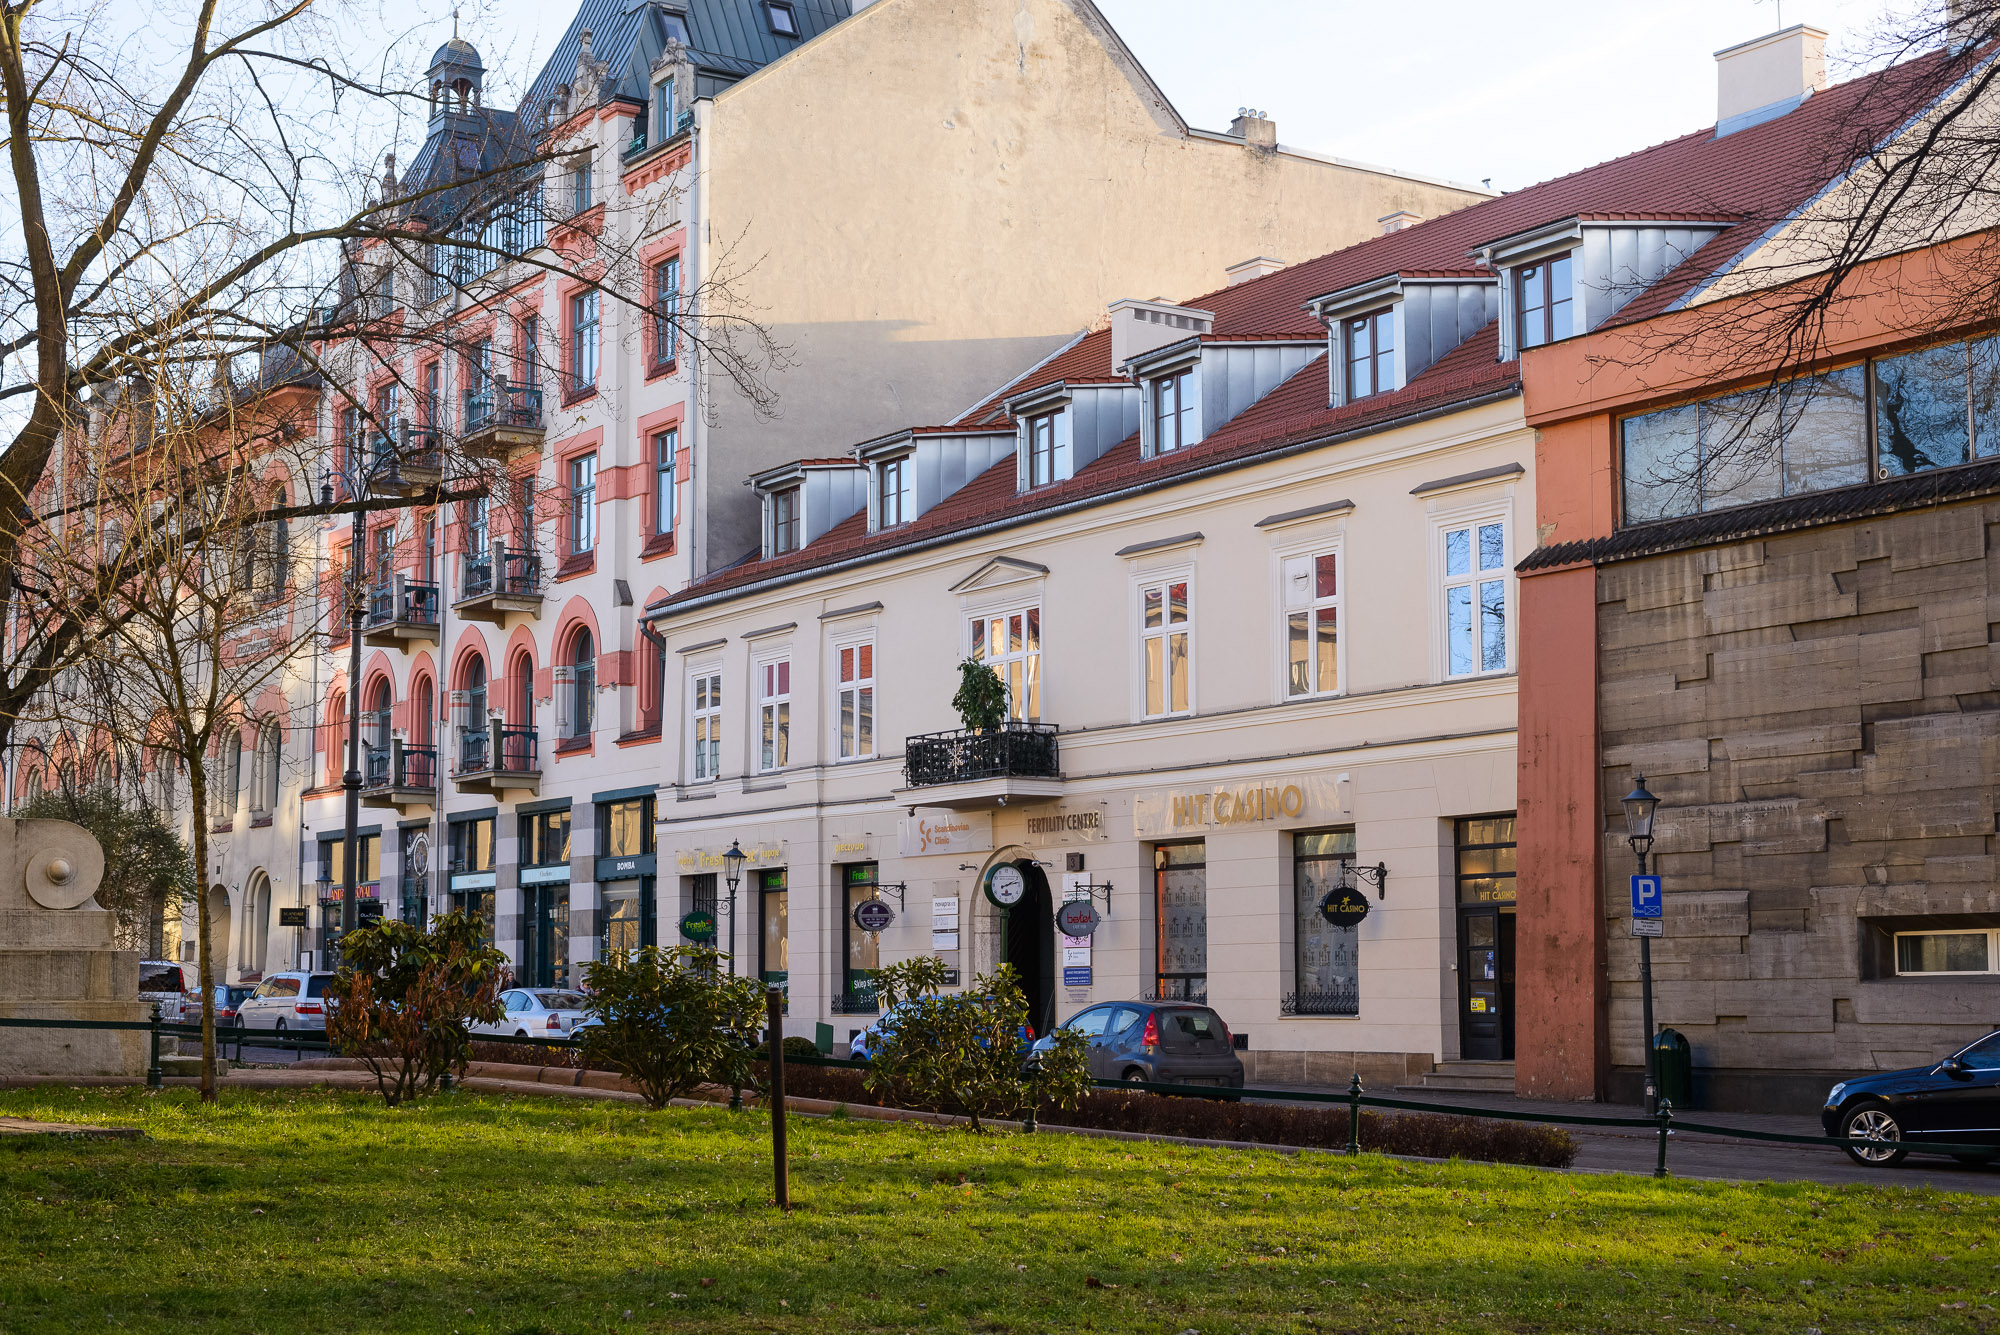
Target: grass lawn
<point x="322" y="1212"/>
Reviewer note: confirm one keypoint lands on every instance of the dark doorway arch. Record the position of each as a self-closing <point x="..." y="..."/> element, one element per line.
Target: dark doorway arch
<point x="1031" y="946"/>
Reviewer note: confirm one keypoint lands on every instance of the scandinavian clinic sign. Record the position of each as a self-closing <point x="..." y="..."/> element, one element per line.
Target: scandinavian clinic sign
<point x="936" y="831"/>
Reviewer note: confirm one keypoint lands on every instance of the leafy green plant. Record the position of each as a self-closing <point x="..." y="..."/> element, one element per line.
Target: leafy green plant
<point x="405" y="997"/>
<point x="981" y="700"/>
<point x="966" y="1052"/>
<point x="672" y="1020"/>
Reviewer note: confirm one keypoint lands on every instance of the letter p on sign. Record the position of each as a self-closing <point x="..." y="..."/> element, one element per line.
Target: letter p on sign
<point x="1645" y="896"/>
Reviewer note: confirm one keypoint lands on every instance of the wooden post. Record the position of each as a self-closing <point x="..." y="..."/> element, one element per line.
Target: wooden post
<point x="774" y="1003"/>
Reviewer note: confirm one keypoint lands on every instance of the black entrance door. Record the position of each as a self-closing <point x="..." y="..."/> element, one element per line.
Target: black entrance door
<point x="1486" y="984"/>
<point x="1031" y="947"/>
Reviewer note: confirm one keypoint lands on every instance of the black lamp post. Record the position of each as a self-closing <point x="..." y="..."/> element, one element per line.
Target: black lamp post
<point x="732" y="875"/>
<point x="1639" y="806"/>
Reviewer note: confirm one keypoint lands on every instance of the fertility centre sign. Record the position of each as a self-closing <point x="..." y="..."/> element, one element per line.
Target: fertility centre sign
<point x="1232" y="805"/>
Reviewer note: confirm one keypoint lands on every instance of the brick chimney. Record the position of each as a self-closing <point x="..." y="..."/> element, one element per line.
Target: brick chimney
<point x="1255" y="129"/>
<point x="1762" y="79"/>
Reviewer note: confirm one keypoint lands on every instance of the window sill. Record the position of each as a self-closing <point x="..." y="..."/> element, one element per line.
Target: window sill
<point x="662" y="369"/>
<point x="640" y="738"/>
<point x="576" y="746"/>
<point x="581" y="563"/>
<point x="224" y="828"/>
<point x="261" y="822"/>
<point x="581" y="395"/>
<point x="660" y="544"/>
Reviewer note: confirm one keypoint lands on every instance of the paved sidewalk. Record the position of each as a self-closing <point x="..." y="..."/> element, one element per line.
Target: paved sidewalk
<point x="1609" y="1149"/>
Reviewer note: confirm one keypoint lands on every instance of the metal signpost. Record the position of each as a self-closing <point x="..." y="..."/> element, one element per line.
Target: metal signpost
<point x="1647" y="921"/>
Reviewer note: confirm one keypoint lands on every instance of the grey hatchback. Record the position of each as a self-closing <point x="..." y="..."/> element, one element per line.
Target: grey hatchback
<point x="1163" y="1042"/>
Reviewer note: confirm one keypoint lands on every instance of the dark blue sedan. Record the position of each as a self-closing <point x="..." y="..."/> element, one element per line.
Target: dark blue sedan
<point x="1883" y="1117"/>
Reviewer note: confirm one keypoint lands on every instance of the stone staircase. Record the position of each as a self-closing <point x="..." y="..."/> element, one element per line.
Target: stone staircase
<point x="1465" y="1077"/>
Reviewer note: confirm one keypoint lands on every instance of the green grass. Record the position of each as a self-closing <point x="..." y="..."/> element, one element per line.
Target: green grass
<point x="322" y="1212"/>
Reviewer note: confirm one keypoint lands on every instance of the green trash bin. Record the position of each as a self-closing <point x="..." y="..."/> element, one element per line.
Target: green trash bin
<point x="1673" y="1068"/>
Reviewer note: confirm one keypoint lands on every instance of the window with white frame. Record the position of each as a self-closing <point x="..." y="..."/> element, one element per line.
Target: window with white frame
<point x="1164" y="634"/>
<point x="583" y="330"/>
<point x="1947" y="952"/>
<point x="1174" y="412"/>
<point x="1312" y="624"/>
<point x="666" y="446"/>
<point x="899" y="492"/>
<point x="666" y="309"/>
<point x="1544" y="310"/>
<point x="705" y="725"/>
<point x="579" y="183"/>
<point x="1010" y="643"/>
<point x="1048" y="449"/>
<point x="663" y="111"/>
<point x="1475" y="597"/>
<point x="1370" y="354"/>
<point x="582" y="504"/>
<point x="774" y="715"/>
<point x="854" y="701"/>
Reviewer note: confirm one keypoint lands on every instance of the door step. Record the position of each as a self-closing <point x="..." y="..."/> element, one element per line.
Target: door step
<point x="1467" y="1077"/>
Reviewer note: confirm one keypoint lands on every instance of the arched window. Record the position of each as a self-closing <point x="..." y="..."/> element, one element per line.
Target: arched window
<point x="34" y="786"/>
<point x="278" y="548"/>
<point x="475" y="692"/>
<point x="232" y="773"/>
<point x="583" y="685"/>
<point x="521" y="693"/>
<point x="102" y="776"/>
<point x="423" y="707"/>
<point x="473" y="751"/>
<point x="270" y="758"/>
<point x="335" y="744"/>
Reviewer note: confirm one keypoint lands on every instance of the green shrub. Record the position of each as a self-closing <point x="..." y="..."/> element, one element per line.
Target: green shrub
<point x="796" y="1048"/>
<point x="672" y="1020"/>
<point x="963" y="1051"/>
<point x="981" y="700"/>
<point x="405" y="997"/>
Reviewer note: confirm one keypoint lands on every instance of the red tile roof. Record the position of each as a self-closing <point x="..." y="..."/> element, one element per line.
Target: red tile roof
<point x="1749" y="179"/>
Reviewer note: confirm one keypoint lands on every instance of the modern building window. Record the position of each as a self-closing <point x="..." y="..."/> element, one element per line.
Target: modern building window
<point x="861" y="950"/>
<point x="783" y="21"/>
<point x="623" y="932"/>
<point x="582" y="504"/>
<point x="785" y="521"/>
<point x="545" y="838"/>
<point x="1370" y="354"/>
<point x="627" y="828"/>
<point x="583" y="331"/>
<point x="1475" y="598"/>
<point x="663" y="111"/>
<point x="1164" y="633"/>
<point x="1011" y="644"/>
<point x="1049" y="454"/>
<point x="774" y="952"/>
<point x="478" y="531"/>
<point x="705" y="725"/>
<point x="774" y="715"/>
<point x="666" y="310"/>
<point x="1544" y="310"/>
<point x="1326" y="960"/>
<point x="367" y="862"/>
<point x="1945" y="952"/>
<point x="899" y="492"/>
<point x="1180" y="900"/>
<point x="583" y="684"/>
<point x="855" y="701"/>
<point x="666" y="450"/>
<point x="1312" y="624"/>
<point x="579" y="183"/>
<point x="472" y="845"/>
<point x="1174" y="420"/>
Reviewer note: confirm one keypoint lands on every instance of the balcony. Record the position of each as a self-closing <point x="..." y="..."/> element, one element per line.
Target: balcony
<point x="968" y="771"/>
<point x="503" y="421"/>
<point x="407" y="464"/>
<point x="498" y="760"/>
<point x="499" y="582"/>
<point x="399" y="776"/>
<point x="400" y="612"/>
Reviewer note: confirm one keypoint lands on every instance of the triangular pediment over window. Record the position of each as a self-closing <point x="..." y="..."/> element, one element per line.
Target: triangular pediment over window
<point x="1001" y="570"/>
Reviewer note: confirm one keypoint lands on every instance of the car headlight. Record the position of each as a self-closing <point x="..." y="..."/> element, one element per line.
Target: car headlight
<point x="1833" y="1095"/>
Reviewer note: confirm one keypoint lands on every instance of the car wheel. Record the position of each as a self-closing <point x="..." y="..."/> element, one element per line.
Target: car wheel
<point x="1874" y="1137"/>
<point x="279" y="1027"/>
<point x="1133" y="1076"/>
<point x="520" y="1033"/>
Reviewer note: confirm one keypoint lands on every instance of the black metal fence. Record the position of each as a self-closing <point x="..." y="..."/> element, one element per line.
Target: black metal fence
<point x="1016" y="751"/>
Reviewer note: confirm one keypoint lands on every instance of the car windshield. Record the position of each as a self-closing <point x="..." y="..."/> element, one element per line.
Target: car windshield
<point x="561" y="1001"/>
<point x="160" y="978"/>
<point x="1196" y="1024"/>
<point x="316" y="985"/>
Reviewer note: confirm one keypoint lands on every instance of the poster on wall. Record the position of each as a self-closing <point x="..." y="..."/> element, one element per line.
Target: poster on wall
<point x="944" y="923"/>
<point x="1076" y="964"/>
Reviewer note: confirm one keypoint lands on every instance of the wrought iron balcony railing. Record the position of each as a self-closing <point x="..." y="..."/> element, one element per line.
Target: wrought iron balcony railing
<point x="398" y="766"/>
<point x="502" y="750"/>
<point x="1340" y="999"/>
<point x="863" y="1002"/>
<point x="1016" y="751"/>
<point x="503" y="403"/>
<point x="518" y="573"/>
<point x="418" y="605"/>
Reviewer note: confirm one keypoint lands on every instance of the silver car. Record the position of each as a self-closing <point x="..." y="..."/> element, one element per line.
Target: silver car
<point x="536" y="1012"/>
<point x="170" y="985"/>
<point x="1158" y="1042"/>
<point x="286" y="1001"/>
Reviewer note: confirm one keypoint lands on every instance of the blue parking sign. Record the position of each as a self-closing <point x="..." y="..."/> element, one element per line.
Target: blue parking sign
<point x="1645" y="896"/>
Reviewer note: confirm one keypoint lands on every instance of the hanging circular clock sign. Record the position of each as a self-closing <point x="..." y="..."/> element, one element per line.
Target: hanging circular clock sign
<point x="1343" y="907"/>
<point x="1006" y="886"/>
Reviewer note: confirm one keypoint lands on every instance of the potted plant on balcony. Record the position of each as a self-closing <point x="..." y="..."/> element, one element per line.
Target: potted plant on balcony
<point x="981" y="701"/>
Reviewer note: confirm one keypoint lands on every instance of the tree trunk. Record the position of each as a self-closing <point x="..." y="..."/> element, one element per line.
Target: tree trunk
<point x="198" y="799"/>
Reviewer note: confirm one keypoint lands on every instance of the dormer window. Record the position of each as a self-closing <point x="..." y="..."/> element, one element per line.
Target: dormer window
<point x="1370" y="353"/>
<point x="783" y="21"/>
<point x="1544" y="305"/>
<point x="1048" y="449"/>
<point x="1174" y="408"/>
<point x="784" y="521"/>
<point x="663" y="111"/>
<point x="899" y="493"/>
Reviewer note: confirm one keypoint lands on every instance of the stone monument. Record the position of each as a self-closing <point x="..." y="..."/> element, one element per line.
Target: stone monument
<point x="58" y="959"/>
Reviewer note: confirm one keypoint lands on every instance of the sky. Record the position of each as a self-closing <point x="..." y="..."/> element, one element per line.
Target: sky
<point x="1463" y="89"/>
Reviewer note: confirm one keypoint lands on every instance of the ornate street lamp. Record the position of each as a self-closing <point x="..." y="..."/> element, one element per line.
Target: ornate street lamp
<point x="1639" y="807"/>
<point x="732" y="875"/>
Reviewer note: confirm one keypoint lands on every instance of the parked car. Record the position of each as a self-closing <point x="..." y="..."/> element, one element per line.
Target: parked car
<point x="537" y="1012"/>
<point x="295" y="1000"/>
<point x="865" y="1041"/>
<point x="1158" y="1042"/>
<point x="229" y="999"/>
<point x="171" y="985"/>
<point x="1884" y="1117"/>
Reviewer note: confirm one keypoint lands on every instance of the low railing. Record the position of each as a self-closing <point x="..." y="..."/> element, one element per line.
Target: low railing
<point x="417" y="767"/>
<point x="864" y="1002"/>
<point x="519" y="573"/>
<point x="512" y="751"/>
<point x="503" y="403"/>
<point x="1342" y="999"/>
<point x="375" y="767"/>
<point x="1015" y="751"/>
<point x="418" y="605"/>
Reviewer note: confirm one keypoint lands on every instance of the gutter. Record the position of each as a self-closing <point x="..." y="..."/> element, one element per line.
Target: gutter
<point x="1081" y="503"/>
